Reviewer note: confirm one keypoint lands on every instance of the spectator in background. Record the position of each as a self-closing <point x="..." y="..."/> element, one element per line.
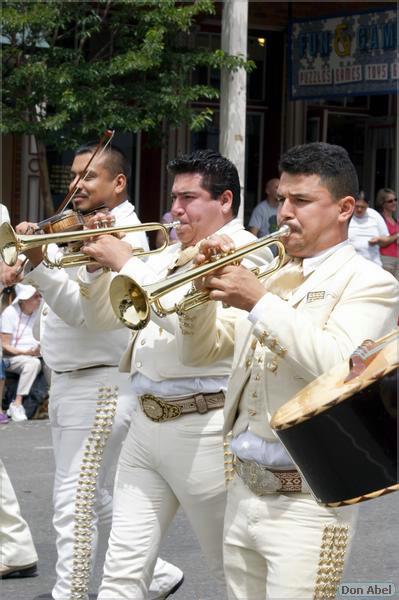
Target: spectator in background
<point x="3" y="416"/>
<point x="159" y="240"/>
<point x="387" y="204"/>
<point x="367" y="230"/>
<point x="264" y="216"/>
<point x="19" y="345"/>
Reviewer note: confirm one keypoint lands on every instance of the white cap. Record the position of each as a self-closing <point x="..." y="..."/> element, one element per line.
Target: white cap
<point x="24" y="292"/>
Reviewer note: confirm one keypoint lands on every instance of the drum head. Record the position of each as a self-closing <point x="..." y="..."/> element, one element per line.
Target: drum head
<point x="330" y="389"/>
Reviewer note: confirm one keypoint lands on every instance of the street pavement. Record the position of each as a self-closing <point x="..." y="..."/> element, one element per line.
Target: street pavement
<point x="27" y="453"/>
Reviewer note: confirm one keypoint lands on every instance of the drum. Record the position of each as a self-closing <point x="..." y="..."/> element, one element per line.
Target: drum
<point x="341" y="429"/>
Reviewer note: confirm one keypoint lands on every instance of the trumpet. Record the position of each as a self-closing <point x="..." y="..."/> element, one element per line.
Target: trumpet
<point x="12" y="244"/>
<point x="132" y="303"/>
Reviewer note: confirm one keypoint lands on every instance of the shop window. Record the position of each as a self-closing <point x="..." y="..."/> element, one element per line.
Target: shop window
<point x="207" y="137"/>
<point x="257" y="47"/>
<point x="348" y="130"/>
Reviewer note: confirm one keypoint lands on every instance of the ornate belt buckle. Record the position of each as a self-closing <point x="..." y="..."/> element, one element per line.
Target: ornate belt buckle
<point x="259" y="480"/>
<point x="157" y="410"/>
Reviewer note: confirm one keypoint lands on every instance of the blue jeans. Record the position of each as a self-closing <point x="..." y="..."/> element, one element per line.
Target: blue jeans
<point x="4" y="362"/>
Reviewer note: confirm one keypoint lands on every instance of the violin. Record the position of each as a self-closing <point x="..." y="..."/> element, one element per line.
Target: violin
<point x="69" y="220"/>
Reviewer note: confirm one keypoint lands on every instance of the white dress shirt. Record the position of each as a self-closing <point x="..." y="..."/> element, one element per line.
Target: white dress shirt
<point x="363" y="229"/>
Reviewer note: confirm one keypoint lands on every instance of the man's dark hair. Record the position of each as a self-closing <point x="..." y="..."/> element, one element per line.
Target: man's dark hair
<point x="218" y="173"/>
<point x="116" y="161"/>
<point x="330" y="162"/>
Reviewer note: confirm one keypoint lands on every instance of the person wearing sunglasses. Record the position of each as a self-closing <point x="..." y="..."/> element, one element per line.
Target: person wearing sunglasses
<point x="387" y="204"/>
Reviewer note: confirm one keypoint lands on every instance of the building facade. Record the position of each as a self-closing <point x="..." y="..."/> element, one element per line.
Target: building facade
<point x="324" y="72"/>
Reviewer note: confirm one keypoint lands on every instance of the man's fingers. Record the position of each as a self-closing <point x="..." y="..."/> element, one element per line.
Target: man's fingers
<point x="26" y="228"/>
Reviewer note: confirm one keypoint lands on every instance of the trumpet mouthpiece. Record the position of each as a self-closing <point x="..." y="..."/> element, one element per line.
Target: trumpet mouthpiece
<point x="174" y="225"/>
<point x="284" y="230"/>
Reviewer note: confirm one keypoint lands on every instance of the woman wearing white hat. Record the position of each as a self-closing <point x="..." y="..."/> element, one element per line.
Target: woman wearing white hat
<point x="19" y="345"/>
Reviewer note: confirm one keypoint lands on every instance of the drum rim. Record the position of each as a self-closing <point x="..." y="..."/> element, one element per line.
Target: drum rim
<point x="356" y="500"/>
<point x="353" y="388"/>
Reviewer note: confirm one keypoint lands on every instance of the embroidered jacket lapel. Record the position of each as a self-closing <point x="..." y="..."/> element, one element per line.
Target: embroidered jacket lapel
<point x="330" y="266"/>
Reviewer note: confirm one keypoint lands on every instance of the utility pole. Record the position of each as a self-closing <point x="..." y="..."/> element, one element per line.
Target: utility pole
<point x="233" y="98"/>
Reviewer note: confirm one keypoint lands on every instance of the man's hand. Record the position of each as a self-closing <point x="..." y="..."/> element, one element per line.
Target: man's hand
<point x="99" y="220"/>
<point x="108" y="251"/>
<point x="233" y="285"/>
<point x="35" y="351"/>
<point x="35" y="255"/>
<point x="384" y="240"/>
<point x="374" y="241"/>
<point x="212" y="246"/>
<point x="11" y="275"/>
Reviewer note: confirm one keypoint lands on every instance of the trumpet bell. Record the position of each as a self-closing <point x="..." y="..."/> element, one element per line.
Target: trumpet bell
<point x="8" y="250"/>
<point x="129" y="302"/>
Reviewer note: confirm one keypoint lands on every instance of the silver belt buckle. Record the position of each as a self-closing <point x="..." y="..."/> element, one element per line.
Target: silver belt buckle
<point x="157" y="410"/>
<point x="259" y="480"/>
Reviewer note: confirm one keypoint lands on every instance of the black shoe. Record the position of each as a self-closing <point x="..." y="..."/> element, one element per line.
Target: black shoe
<point x="175" y="588"/>
<point x="7" y="572"/>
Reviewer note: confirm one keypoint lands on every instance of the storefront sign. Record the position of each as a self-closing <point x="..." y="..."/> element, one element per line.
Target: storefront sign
<point x="344" y="56"/>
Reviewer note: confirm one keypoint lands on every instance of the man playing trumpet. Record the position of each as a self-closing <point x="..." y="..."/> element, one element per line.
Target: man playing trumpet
<point x="306" y="318"/>
<point x="173" y="454"/>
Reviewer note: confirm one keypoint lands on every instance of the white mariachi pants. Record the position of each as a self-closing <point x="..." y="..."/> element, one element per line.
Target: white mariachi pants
<point x="283" y="546"/>
<point x="16" y="544"/>
<point x="28" y="367"/>
<point x="162" y="466"/>
<point x="72" y="411"/>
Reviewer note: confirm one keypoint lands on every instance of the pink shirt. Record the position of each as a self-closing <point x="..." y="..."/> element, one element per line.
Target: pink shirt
<point x="392" y="249"/>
